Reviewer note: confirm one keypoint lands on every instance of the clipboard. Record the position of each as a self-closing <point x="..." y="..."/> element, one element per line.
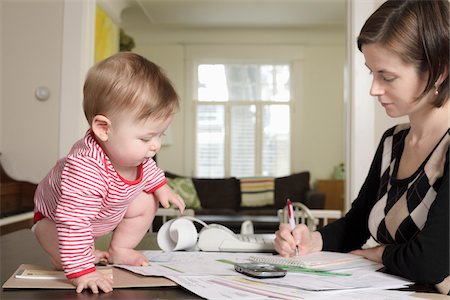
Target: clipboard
<point x="122" y="279"/>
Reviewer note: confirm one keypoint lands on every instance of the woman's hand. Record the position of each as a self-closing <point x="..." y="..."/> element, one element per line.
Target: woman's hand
<point x="306" y="240"/>
<point x="374" y="254"/>
<point x="94" y="281"/>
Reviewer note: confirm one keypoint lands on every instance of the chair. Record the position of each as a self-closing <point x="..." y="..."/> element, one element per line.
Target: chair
<point x="302" y="214"/>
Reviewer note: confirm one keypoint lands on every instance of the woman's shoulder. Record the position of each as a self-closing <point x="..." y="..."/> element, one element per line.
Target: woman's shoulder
<point x="396" y="129"/>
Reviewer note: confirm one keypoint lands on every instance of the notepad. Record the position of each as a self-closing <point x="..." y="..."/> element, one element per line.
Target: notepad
<point x="323" y="260"/>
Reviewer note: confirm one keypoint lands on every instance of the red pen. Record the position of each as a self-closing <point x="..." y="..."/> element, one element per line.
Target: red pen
<point x="291" y="220"/>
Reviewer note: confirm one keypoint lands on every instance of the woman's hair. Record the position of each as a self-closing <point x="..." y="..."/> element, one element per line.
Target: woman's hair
<point x="417" y="31"/>
<point x="127" y="82"/>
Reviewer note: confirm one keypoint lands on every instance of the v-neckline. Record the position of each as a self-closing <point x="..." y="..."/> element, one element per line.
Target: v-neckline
<point x="394" y="179"/>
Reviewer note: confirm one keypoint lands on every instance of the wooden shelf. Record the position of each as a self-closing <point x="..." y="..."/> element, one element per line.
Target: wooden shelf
<point x="334" y="192"/>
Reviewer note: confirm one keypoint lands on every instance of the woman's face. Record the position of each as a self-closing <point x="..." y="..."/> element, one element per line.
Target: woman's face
<point x="395" y="83"/>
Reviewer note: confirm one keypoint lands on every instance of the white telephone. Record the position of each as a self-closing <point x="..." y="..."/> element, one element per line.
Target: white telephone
<point x="217" y="237"/>
<point x="181" y="234"/>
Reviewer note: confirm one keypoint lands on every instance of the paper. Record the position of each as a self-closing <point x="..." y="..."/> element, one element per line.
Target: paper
<point x="186" y="266"/>
<point x="322" y="260"/>
<point x="235" y="287"/>
<point x="245" y="288"/>
<point x="360" y="279"/>
<point x="178" y="234"/>
<point x="189" y="263"/>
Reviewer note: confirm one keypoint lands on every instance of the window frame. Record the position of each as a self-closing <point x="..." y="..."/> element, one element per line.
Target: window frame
<point x="227" y="110"/>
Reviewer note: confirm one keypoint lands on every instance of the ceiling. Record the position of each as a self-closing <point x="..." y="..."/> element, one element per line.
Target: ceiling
<point x="141" y="14"/>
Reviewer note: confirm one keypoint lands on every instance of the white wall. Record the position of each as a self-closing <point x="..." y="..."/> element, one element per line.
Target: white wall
<point x="366" y="119"/>
<point x="30" y="57"/>
<point x="44" y="43"/>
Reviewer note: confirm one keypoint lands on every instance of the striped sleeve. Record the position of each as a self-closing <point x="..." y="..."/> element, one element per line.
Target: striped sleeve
<point x="83" y="187"/>
<point x="154" y="177"/>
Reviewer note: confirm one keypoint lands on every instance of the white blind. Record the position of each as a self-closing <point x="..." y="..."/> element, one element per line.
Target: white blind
<point x="243" y="120"/>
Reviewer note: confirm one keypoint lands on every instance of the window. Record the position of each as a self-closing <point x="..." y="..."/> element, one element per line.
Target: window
<point x="242" y="120"/>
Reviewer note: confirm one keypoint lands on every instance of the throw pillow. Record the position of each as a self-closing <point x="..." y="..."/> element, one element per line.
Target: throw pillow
<point x="257" y="191"/>
<point x="293" y="187"/>
<point x="185" y="188"/>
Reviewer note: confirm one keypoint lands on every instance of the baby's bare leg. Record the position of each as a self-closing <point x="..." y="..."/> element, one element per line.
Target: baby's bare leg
<point x="47" y="235"/>
<point x="131" y="230"/>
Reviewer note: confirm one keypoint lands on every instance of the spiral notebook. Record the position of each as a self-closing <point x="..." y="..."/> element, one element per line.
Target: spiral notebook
<point x="323" y="260"/>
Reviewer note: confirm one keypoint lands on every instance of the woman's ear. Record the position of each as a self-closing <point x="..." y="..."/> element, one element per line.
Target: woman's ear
<point x="441" y="78"/>
<point x="100" y="127"/>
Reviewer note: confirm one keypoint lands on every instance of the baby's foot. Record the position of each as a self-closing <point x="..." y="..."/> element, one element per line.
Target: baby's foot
<point x="126" y="256"/>
<point x="100" y="256"/>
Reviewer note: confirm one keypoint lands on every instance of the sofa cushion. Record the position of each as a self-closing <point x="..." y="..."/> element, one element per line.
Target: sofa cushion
<point x="257" y="191"/>
<point x="293" y="187"/>
<point x="223" y="193"/>
<point x="185" y="188"/>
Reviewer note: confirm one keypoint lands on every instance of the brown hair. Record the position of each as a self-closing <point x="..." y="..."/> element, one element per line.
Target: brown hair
<point x="417" y="31"/>
<point x="128" y="82"/>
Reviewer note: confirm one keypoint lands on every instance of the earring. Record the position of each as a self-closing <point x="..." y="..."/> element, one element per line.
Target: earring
<point x="436" y="92"/>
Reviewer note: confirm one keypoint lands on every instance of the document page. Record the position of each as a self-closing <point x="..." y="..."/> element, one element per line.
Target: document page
<point x="189" y="263"/>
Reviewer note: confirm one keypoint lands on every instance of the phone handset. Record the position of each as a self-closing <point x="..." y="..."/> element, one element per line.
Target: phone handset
<point x="220" y="227"/>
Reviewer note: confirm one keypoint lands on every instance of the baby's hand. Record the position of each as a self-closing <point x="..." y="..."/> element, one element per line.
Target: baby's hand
<point x="94" y="281"/>
<point x="165" y="195"/>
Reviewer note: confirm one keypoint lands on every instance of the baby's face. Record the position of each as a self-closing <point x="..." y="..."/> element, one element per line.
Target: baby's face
<point x="131" y="141"/>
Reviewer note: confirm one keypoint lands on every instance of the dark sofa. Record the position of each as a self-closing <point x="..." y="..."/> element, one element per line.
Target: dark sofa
<point x="220" y="200"/>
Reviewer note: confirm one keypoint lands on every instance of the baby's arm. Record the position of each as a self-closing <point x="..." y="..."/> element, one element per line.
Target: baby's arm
<point x="165" y="195"/>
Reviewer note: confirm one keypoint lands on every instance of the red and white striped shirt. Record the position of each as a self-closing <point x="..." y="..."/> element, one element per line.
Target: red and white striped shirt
<point x="86" y="198"/>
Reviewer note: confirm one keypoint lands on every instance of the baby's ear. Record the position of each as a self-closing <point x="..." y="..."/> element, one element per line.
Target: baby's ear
<point x="100" y="127"/>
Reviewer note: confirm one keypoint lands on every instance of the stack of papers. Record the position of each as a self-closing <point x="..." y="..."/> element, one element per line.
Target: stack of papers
<point x="211" y="275"/>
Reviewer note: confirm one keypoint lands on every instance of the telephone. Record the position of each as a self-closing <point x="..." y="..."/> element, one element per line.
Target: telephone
<point x="216" y="237"/>
<point x="181" y="234"/>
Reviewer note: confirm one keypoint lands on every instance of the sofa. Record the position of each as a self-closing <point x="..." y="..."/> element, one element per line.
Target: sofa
<point x="230" y="201"/>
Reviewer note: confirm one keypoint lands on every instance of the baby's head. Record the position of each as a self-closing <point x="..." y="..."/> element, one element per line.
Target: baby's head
<point x="128" y="83"/>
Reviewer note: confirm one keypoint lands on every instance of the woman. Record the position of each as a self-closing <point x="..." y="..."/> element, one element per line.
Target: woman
<point x="404" y="201"/>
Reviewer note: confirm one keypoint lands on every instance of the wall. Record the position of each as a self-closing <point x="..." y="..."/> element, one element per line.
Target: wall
<point x="318" y="120"/>
<point x="44" y="43"/>
<point x="30" y="57"/>
<point x="366" y="120"/>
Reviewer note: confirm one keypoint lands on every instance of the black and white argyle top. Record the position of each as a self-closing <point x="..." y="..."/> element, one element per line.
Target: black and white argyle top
<point x="403" y="204"/>
<point x="410" y="217"/>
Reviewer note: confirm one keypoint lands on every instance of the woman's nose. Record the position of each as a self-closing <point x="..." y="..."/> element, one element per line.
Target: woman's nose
<point x="376" y="89"/>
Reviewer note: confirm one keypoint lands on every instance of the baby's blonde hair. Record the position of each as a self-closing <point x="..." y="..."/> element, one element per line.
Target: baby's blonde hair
<point x="128" y="82"/>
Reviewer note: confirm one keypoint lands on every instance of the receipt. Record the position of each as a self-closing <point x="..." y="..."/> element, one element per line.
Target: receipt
<point x="177" y="234"/>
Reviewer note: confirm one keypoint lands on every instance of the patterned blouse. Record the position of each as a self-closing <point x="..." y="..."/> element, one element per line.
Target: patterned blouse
<point x="410" y="216"/>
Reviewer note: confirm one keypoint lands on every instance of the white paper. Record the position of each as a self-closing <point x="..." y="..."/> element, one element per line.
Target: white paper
<point x="211" y="275"/>
<point x="234" y="287"/>
<point x="177" y="234"/>
<point x="190" y="263"/>
<point x="245" y="288"/>
<point x="360" y="279"/>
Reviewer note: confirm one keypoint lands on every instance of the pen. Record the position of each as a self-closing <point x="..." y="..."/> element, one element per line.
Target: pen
<point x="291" y="220"/>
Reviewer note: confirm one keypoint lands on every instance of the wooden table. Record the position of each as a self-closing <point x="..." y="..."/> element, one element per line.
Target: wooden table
<point x="21" y="247"/>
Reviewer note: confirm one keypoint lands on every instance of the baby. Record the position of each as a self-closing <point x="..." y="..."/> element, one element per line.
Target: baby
<point x="109" y="181"/>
